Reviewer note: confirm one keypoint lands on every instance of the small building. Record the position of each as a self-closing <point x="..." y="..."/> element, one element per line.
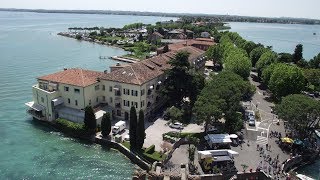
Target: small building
<point x="155" y="37"/>
<point x="205" y="35"/>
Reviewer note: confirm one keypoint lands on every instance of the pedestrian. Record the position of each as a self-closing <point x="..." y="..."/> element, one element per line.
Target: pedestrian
<point x="267" y="147"/>
<point x="269" y="169"/>
<point x="257" y="147"/>
<point x="277" y="156"/>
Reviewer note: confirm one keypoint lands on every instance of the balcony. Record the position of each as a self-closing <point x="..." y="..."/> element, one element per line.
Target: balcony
<point x="52" y="93"/>
<point x="36" y="114"/>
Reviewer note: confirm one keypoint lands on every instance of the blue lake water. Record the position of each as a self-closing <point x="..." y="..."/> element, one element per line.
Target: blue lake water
<point x="282" y="37"/>
<point x="29" y="48"/>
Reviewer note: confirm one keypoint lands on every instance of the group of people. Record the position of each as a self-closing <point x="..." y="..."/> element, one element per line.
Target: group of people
<point x="269" y="165"/>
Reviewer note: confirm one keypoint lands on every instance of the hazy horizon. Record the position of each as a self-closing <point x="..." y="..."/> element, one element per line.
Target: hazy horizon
<point x="263" y="8"/>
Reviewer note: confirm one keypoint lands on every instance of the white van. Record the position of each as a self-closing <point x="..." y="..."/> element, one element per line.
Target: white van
<point x="118" y="127"/>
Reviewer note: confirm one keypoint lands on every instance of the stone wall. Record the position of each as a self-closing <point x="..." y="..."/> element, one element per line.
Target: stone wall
<point x="240" y="175"/>
<point x="134" y="158"/>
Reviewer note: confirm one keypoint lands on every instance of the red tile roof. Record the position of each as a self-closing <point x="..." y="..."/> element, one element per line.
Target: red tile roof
<point x="76" y="77"/>
<point x="146" y="70"/>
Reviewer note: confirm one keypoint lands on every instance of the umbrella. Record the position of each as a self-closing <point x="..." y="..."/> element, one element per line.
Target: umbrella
<point x="287" y="140"/>
<point x="297" y="142"/>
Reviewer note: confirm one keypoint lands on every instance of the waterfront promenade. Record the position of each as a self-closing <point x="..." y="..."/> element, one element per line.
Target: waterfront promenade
<point x="249" y="155"/>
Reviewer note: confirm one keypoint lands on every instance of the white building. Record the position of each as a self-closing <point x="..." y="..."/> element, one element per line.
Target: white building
<point x="65" y="94"/>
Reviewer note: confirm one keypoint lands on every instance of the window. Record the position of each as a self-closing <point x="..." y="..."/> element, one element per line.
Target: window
<point x="68" y="100"/>
<point x="76" y="102"/>
<point x="128" y="91"/>
<point x="126" y="103"/>
<point x="77" y="91"/>
<point x="136" y="104"/>
<point x="103" y="98"/>
<point x="110" y="88"/>
<point x="149" y="91"/>
<point x="103" y="87"/>
<point x="97" y="99"/>
<point x="89" y="101"/>
<point x="143" y="92"/>
<point x="142" y="103"/>
<point x="110" y="99"/>
<point x="124" y="91"/>
<point x="97" y="87"/>
<point x="118" y="112"/>
<point x="134" y="93"/>
<point x="66" y="88"/>
<point x="158" y="87"/>
<point x="42" y="99"/>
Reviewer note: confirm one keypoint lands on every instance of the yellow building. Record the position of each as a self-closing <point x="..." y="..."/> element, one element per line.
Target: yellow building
<point x="65" y="94"/>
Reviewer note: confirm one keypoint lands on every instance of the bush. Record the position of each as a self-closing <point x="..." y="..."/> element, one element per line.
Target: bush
<point x="70" y="127"/>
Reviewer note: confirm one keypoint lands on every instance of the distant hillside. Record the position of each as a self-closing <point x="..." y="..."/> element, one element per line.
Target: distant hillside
<point x="221" y="18"/>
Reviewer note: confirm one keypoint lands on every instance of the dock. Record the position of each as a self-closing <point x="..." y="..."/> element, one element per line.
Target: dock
<point x="122" y="59"/>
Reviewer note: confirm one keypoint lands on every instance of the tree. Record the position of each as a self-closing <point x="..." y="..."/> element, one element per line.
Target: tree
<point x="176" y="85"/>
<point x="297" y="55"/>
<point x="285" y="80"/>
<point x="267" y="72"/>
<point x="285" y="58"/>
<point x="90" y="121"/>
<point x="239" y="63"/>
<point x="140" y="130"/>
<point x="78" y="37"/>
<point x="191" y="152"/>
<point x="249" y="46"/>
<point x="140" y="37"/>
<point x="106" y="124"/>
<point x="166" y="48"/>
<point x="301" y="112"/>
<point x="215" y="53"/>
<point x="208" y="109"/>
<point x="313" y="77"/>
<point x="133" y="128"/>
<point x="265" y="60"/>
<point x="315" y="62"/>
<point x="255" y="54"/>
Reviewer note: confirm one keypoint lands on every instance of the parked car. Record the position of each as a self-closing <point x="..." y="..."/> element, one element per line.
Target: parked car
<point x="176" y="125"/>
<point x="252" y="121"/>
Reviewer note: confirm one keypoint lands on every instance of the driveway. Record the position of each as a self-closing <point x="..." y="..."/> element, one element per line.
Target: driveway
<point x="155" y="130"/>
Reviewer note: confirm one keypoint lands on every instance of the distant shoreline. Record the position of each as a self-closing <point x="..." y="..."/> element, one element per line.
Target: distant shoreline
<point x="221" y="18"/>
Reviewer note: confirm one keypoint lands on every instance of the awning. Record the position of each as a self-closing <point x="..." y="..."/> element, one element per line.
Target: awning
<point x="116" y="89"/>
<point x="34" y="106"/>
<point x="159" y="82"/>
<point x="233" y="153"/>
<point x="57" y="101"/>
<point x="233" y="136"/>
<point x="151" y="87"/>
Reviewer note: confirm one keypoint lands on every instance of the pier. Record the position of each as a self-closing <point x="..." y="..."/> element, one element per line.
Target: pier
<point x="122" y="59"/>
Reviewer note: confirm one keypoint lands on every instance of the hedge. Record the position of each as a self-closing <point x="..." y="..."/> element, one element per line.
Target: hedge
<point x="72" y="128"/>
<point x="150" y="149"/>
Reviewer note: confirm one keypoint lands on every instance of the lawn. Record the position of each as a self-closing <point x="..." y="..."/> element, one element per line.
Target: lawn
<point x="148" y="153"/>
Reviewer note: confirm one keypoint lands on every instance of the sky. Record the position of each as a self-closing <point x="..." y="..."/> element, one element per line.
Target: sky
<point x="264" y="8"/>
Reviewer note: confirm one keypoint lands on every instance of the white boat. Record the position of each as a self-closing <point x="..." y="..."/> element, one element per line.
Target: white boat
<point x="304" y="177"/>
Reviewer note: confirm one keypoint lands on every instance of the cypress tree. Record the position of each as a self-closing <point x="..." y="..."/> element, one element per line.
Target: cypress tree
<point x="133" y="128"/>
<point x="106" y="124"/>
<point x="140" y="130"/>
<point x="90" y="121"/>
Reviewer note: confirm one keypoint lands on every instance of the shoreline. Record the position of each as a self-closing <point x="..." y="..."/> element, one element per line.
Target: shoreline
<point x="103" y="142"/>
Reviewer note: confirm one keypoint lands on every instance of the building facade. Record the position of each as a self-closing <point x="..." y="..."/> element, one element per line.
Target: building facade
<point x="66" y="93"/>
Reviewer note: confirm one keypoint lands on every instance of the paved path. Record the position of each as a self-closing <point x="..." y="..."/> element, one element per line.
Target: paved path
<point x="249" y="154"/>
